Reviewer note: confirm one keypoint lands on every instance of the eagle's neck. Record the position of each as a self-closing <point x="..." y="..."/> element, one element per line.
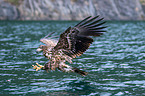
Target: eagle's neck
<point x="47" y="52"/>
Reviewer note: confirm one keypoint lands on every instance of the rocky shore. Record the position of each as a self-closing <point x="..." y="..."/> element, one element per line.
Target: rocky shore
<point x="71" y="9"/>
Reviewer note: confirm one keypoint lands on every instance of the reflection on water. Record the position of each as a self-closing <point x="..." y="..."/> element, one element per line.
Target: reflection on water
<point x="115" y="61"/>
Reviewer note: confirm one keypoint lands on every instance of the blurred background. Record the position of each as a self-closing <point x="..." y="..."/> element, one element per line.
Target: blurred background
<point x="71" y="9"/>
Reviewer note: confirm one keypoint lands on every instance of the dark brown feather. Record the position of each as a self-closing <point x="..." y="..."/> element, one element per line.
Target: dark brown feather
<point x="75" y="41"/>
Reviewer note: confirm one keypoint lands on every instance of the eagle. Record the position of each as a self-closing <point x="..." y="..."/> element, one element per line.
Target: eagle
<point x="72" y="43"/>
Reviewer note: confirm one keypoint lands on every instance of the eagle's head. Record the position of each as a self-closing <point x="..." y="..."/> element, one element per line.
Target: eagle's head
<point x="41" y="48"/>
<point x="49" y="44"/>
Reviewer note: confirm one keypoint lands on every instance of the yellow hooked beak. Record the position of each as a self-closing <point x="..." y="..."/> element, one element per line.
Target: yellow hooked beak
<point x="39" y="49"/>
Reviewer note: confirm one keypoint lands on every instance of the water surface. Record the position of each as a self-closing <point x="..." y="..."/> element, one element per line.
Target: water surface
<point x="115" y="61"/>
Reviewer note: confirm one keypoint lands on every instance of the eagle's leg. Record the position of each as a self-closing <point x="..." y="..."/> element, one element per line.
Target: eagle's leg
<point x="50" y="66"/>
<point x="37" y="67"/>
<point x="64" y="67"/>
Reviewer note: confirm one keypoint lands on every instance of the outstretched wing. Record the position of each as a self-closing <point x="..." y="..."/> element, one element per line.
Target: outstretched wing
<point x="75" y="41"/>
<point x="48" y="41"/>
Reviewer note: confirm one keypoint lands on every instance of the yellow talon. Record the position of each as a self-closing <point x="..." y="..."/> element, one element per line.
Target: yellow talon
<point x="37" y="67"/>
<point x="40" y="65"/>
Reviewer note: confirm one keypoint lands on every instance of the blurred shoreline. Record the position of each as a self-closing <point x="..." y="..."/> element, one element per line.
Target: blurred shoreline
<point x="71" y="9"/>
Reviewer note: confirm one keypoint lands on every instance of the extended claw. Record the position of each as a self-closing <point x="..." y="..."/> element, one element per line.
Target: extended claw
<point x="37" y="67"/>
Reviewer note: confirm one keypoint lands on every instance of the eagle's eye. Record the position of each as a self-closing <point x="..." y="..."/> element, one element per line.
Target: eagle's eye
<point x="41" y="46"/>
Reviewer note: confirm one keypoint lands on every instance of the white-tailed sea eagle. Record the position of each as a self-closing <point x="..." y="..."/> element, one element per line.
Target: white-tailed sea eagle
<point x="72" y="43"/>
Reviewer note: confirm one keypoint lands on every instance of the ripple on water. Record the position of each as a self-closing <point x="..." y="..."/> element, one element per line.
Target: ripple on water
<point x="115" y="61"/>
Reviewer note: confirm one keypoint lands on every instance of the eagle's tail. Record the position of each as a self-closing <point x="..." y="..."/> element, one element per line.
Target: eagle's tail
<point x="83" y="73"/>
<point x="66" y="68"/>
